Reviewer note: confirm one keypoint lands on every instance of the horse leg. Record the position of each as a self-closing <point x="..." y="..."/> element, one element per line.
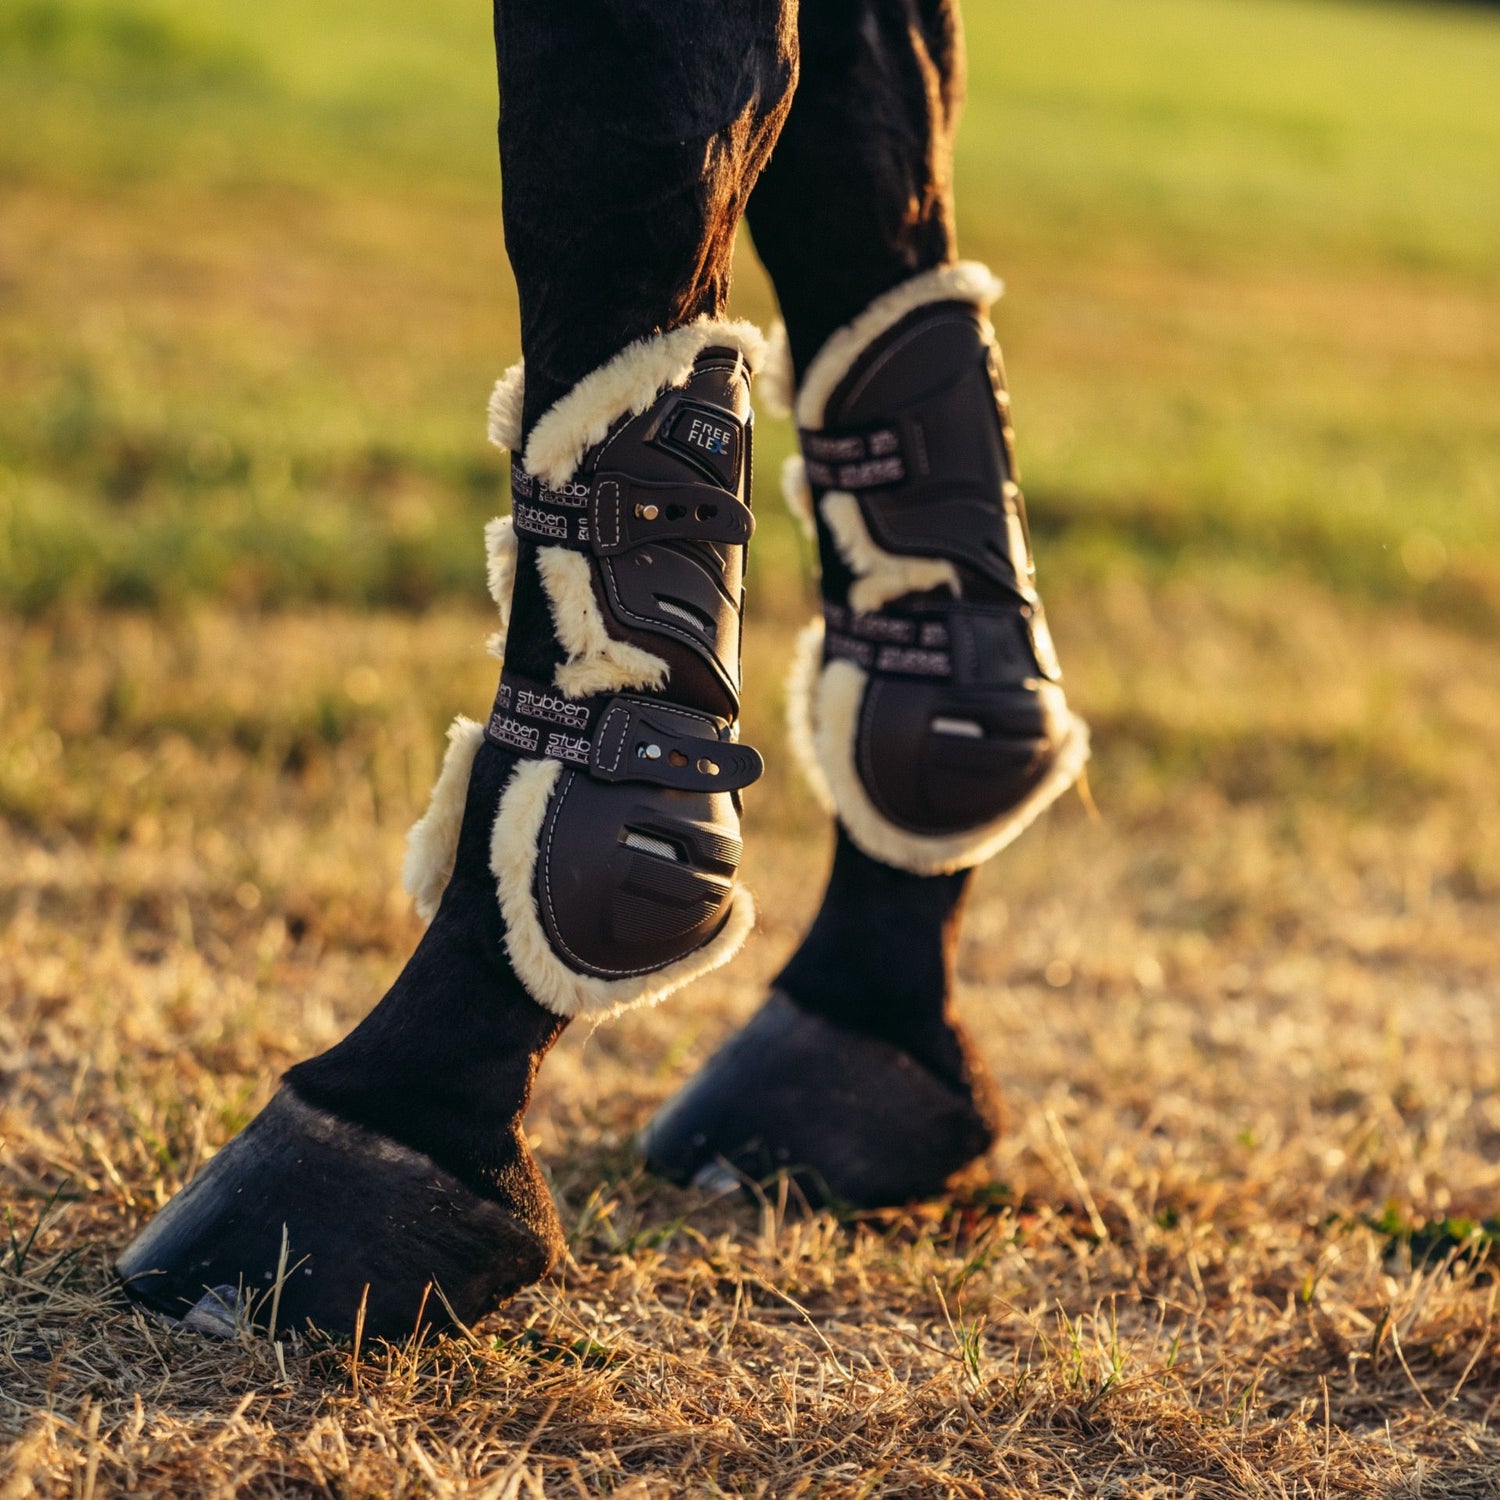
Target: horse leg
<point x="932" y="720"/>
<point x="579" y="853"/>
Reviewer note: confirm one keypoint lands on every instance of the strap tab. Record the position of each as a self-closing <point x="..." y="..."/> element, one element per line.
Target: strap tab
<point x="615" y="513"/>
<point x="630" y="512"/>
<point x="642" y="740"/>
<point x="620" y="738"/>
<point x="853" y="459"/>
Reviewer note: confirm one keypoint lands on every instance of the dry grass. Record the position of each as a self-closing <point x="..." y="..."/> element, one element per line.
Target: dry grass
<point x="1237" y="1021"/>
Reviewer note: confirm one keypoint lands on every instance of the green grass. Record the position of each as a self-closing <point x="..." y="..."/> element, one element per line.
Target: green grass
<point x="254" y="292"/>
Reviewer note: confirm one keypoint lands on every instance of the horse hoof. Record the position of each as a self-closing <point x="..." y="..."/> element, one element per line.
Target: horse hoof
<point x="308" y="1220"/>
<point x="852" y="1119"/>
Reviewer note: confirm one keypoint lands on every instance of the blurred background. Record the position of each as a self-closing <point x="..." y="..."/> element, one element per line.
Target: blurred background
<point x="253" y="295"/>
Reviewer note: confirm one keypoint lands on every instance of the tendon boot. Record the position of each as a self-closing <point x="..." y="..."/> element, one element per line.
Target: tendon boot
<point x="579" y="856"/>
<point x="927" y="709"/>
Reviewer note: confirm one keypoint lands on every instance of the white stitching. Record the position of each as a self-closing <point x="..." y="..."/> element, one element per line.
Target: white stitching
<point x="614" y="490"/>
<point x="624" y="714"/>
<point x="656" y="622"/>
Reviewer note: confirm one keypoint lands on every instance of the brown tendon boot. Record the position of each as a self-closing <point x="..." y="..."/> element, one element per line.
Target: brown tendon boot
<point x="928" y="713"/>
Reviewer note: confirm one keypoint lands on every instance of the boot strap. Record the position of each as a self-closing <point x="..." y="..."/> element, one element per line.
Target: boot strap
<point x="915" y="478"/>
<point x="621" y="737"/>
<point x="968" y="645"/>
<point x="612" y="513"/>
<point x="863" y="458"/>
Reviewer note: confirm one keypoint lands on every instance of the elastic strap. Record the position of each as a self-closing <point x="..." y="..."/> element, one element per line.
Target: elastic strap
<point x="620" y="737"/>
<point x="864" y="458"/>
<point x="613" y="513"/>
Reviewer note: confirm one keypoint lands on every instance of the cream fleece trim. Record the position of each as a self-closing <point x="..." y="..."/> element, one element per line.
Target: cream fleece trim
<point x="797" y="493"/>
<point x="506" y="402"/>
<point x="777" y="386"/>
<point x="835" y="714"/>
<point x="432" y="844"/>
<point x="597" y="663"/>
<point x="966" y="281"/>
<point x="880" y="576"/>
<point x="549" y="981"/>
<point x="625" y="386"/>
<point x="500" y="563"/>
<point x="500" y="571"/>
<point x="801" y="685"/>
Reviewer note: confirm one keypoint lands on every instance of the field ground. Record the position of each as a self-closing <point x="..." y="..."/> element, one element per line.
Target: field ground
<point x="1233" y="1242"/>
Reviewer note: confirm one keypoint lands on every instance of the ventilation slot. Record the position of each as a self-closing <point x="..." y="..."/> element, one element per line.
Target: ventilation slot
<point x="958" y="729"/>
<point x="696" y="618"/>
<point x="648" y="845"/>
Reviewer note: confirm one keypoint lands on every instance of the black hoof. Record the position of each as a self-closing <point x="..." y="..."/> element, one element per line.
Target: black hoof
<point x="365" y="1220"/>
<point x="853" y="1119"/>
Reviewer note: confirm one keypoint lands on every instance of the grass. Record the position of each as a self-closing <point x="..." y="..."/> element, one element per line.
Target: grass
<point x="1253" y="305"/>
<point x="1238" y="1238"/>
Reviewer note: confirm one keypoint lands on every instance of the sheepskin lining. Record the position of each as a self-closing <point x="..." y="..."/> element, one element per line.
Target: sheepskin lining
<point x="625" y="386"/>
<point x="797" y="494"/>
<point x="597" y="662"/>
<point x="777" y="387"/>
<point x="880" y="576"/>
<point x="801" y="687"/>
<point x="432" y="844"/>
<point x="506" y="403"/>
<point x="500" y="573"/>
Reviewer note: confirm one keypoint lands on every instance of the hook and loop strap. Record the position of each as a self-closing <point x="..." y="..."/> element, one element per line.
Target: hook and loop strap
<point x="621" y="737"/>
<point x="888" y="644"/>
<point x="863" y="458"/>
<point x="613" y="513"/>
<point x="967" y="644"/>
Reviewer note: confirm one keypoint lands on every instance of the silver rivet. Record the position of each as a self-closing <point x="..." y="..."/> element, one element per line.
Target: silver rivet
<point x="650" y="752"/>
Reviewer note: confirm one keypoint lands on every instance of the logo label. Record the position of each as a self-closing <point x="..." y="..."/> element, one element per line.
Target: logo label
<point x="540" y="522"/>
<point x="568" y="747"/>
<point x="553" y="708"/>
<point x="508" y="731"/>
<point x="711" y="437"/>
